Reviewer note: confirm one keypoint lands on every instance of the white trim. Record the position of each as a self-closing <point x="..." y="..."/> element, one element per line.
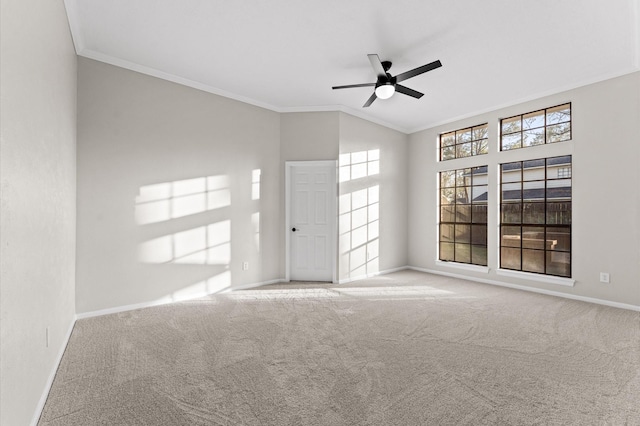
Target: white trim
<point x="132" y="66"/>
<point x="287" y="207"/>
<point x="547" y="279"/>
<point x="465" y="266"/>
<point x="52" y="374"/>
<point x="531" y="289"/>
<point x="74" y="26"/>
<point x="101" y="57"/>
<point x="166" y="301"/>
<point x="374" y="274"/>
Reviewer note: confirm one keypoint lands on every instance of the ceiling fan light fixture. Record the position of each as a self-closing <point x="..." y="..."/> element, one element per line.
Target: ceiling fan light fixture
<point x="385" y="91"/>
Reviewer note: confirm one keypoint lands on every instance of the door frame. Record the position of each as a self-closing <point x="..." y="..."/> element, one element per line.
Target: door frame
<point x="333" y="207"/>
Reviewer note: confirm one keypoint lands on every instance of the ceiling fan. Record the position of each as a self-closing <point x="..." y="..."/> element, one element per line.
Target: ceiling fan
<point x="387" y="85"/>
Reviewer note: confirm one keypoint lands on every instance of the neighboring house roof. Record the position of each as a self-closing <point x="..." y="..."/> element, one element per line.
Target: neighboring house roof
<point x="531" y="194"/>
<point x="554" y="161"/>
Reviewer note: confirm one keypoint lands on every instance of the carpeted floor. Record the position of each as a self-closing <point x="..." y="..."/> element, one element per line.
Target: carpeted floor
<point x="402" y="349"/>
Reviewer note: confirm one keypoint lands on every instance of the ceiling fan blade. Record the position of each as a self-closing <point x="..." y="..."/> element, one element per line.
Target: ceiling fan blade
<point x="410" y="92"/>
<point x="418" y="71"/>
<point x="377" y="65"/>
<point x="349" y="86"/>
<point x="370" y="100"/>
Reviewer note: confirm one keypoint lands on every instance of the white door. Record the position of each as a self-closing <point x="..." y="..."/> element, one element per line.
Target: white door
<point x="311" y="219"/>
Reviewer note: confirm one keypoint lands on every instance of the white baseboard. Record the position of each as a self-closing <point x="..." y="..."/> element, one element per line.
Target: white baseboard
<point x="375" y="274"/>
<point x="52" y="375"/>
<point x="166" y="301"/>
<point x="531" y="289"/>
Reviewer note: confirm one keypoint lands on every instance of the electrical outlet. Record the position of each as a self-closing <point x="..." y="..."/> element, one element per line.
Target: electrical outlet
<point x="604" y="277"/>
<point x="245" y="266"/>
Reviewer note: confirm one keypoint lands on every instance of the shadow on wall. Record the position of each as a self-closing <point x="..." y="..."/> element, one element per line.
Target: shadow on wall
<point x="359" y="212"/>
<point x="178" y="205"/>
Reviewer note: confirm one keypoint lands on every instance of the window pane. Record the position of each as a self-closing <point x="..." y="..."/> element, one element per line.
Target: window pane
<point x="510" y="172"/>
<point x="479" y="194"/>
<point x="463" y="233"/>
<point x="510" y="236"/>
<point x="463" y="136"/>
<point x="463" y="253"/>
<point x="511" y="213"/>
<point x="559" y="238"/>
<point x="463" y="213"/>
<point x="533" y="137"/>
<point x="462" y="177"/>
<point x="480" y="147"/>
<point x="559" y="213"/>
<point x="446" y="251"/>
<point x="511" y="192"/>
<point x="479" y="213"/>
<point x="559" y="132"/>
<point x="447" y="213"/>
<point x="463" y="150"/>
<point x="511" y="141"/>
<point x="511" y="125"/>
<point x="533" y="120"/>
<point x="559" y="193"/>
<point x="446" y="233"/>
<point x="533" y="261"/>
<point x="533" y="237"/>
<point x="480" y="132"/>
<point x="533" y="213"/>
<point x="447" y="196"/>
<point x="448" y="153"/>
<point x="559" y="114"/>
<point x="534" y="190"/>
<point x="558" y="263"/>
<point x="448" y="139"/>
<point x="479" y="255"/>
<point x="479" y="234"/>
<point x="463" y="195"/>
<point x="448" y="178"/>
<point x="510" y="258"/>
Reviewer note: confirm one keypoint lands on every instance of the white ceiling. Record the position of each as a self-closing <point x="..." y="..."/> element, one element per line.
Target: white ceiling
<point x="285" y="55"/>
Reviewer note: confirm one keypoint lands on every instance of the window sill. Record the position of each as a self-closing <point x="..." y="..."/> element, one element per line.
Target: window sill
<point x="569" y="282"/>
<point x="466" y="267"/>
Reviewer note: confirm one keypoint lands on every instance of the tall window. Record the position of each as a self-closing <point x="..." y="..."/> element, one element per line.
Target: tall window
<point x="535" y="210"/>
<point x="464" y="142"/>
<point x="463" y="215"/>
<point x="548" y="125"/>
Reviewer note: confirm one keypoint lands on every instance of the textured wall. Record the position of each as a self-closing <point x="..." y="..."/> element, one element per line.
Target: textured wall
<point x="38" y="178"/>
<point x="606" y="201"/>
<point x="176" y="189"/>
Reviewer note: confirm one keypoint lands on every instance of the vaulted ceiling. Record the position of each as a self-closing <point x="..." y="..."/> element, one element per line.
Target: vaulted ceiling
<point x="286" y="55"/>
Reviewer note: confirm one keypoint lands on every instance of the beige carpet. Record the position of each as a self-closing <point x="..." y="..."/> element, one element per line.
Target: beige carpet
<point x="403" y="349"/>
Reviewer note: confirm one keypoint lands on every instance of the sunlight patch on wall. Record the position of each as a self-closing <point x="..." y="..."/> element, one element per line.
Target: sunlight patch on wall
<point x="170" y="200"/>
<point x="255" y="184"/>
<point x="216" y="284"/>
<point x="204" y="245"/>
<point x="255" y="223"/>
<point x="359" y="231"/>
<point x="356" y="165"/>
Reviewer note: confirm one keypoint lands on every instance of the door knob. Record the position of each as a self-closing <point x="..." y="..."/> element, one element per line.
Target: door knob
<point x="294" y="229"/>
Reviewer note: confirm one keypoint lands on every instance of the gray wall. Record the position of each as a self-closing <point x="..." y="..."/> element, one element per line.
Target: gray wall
<point x="167" y="201"/>
<point x="38" y="183"/>
<point x="606" y="177"/>
<point x="373" y="198"/>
